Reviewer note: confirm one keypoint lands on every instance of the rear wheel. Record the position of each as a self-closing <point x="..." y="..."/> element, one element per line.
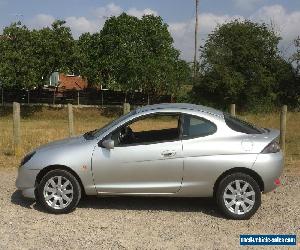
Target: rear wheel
<point x="238" y="196"/>
<point x="59" y="192"/>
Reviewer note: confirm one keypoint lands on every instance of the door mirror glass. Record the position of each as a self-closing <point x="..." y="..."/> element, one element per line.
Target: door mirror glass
<point x="108" y="144"/>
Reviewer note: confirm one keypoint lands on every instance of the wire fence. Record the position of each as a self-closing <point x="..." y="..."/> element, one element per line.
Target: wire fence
<point x="82" y="97"/>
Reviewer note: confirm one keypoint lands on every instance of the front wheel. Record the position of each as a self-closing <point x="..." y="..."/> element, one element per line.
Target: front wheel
<point x="238" y="196"/>
<point x="59" y="192"/>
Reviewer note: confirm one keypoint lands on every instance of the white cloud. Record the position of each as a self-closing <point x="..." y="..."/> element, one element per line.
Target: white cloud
<point x="286" y="22"/>
<point x="246" y="5"/>
<point x="81" y="25"/>
<point x="91" y="24"/>
<point x="183" y="32"/>
<point x="141" y="13"/>
<point x="107" y="11"/>
<point x="41" y="20"/>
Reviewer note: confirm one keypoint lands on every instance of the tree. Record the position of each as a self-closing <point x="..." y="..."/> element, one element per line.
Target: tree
<point x="161" y="70"/>
<point x="239" y="64"/>
<point x="17" y="66"/>
<point x="290" y="89"/>
<point x="296" y="56"/>
<point x="89" y="51"/>
<point x="28" y="58"/>
<point x="121" y="44"/>
<point x="132" y="54"/>
<point x="54" y="50"/>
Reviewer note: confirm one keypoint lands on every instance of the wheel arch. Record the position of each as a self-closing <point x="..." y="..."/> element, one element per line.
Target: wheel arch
<point x="47" y="169"/>
<point x="247" y="171"/>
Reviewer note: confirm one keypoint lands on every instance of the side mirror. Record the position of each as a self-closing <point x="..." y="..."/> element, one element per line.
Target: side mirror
<point x="108" y="144"/>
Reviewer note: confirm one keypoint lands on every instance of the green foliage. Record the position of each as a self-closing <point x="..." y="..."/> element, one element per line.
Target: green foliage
<point x="290" y="91"/>
<point x="121" y="44"/>
<point x="296" y="56"/>
<point x="17" y="68"/>
<point x="54" y="49"/>
<point x="128" y="54"/>
<point x="161" y="70"/>
<point x="27" y="58"/>
<point x="89" y="51"/>
<point x="133" y="54"/>
<point x="240" y="64"/>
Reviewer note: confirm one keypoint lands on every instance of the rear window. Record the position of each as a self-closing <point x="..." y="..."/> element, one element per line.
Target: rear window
<point x="241" y="126"/>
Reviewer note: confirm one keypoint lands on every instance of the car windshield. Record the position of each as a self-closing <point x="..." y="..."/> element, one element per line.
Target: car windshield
<point x="97" y="132"/>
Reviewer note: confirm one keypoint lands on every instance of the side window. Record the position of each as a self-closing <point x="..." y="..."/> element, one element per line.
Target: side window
<point x="194" y="126"/>
<point x="148" y="129"/>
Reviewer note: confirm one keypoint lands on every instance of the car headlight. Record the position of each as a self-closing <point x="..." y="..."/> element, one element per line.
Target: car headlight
<point x="27" y="158"/>
<point x="272" y="147"/>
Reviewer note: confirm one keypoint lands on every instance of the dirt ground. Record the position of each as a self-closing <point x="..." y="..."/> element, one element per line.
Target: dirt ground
<point x="141" y="223"/>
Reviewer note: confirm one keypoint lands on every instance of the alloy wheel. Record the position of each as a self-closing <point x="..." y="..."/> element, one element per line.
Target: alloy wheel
<point x="58" y="192"/>
<point x="239" y="197"/>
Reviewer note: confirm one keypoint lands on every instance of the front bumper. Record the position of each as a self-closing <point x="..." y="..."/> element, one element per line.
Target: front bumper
<point x="269" y="167"/>
<point x="26" y="181"/>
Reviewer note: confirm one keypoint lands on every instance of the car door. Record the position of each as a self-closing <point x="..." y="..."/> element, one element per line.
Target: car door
<point x="151" y="163"/>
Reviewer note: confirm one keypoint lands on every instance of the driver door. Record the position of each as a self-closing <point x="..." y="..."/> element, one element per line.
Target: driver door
<point x="146" y="158"/>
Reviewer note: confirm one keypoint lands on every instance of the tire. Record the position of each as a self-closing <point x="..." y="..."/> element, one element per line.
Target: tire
<point x="58" y="192"/>
<point x="238" y="196"/>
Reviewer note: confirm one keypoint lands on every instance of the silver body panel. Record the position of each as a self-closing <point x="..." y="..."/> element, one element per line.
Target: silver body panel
<point x="185" y="167"/>
<point x="130" y="169"/>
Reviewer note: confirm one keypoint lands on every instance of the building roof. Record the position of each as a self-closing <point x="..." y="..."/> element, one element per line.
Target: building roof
<point x="181" y="106"/>
<point x="72" y="82"/>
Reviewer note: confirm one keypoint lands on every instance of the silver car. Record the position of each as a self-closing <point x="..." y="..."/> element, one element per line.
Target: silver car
<point x="174" y="150"/>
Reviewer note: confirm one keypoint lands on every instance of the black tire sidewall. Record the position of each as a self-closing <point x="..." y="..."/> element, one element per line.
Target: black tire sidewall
<point x="221" y="189"/>
<point x="76" y="191"/>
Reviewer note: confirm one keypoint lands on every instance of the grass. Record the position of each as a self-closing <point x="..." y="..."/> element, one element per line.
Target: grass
<point x="43" y="125"/>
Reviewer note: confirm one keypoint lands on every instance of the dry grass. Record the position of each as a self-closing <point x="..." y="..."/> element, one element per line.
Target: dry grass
<point x="43" y="125"/>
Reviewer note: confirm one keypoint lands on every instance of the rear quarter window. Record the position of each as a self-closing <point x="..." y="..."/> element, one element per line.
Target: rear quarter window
<point x="241" y="126"/>
<point x="194" y="127"/>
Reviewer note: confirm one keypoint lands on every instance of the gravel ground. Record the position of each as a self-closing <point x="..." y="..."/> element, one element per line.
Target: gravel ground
<point x="141" y="223"/>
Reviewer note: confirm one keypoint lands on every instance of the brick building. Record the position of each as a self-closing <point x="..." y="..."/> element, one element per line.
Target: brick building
<point x="67" y="82"/>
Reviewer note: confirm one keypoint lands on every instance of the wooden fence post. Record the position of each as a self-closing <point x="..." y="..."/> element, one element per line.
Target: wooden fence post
<point x="283" y="127"/>
<point x="16" y="128"/>
<point x="126" y="108"/>
<point x="232" y="109"/>
<point x="78" y="98"/>
<point x="71" y="120"/>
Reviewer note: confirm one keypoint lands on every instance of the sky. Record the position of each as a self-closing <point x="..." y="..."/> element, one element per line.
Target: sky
<point x="90" y="15"/>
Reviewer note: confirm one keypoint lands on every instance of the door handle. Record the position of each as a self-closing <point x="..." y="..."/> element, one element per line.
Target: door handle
<point x="168" y="153"/>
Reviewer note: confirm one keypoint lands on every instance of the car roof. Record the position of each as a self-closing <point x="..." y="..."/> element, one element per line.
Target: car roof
<point x="180" y="107"/>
